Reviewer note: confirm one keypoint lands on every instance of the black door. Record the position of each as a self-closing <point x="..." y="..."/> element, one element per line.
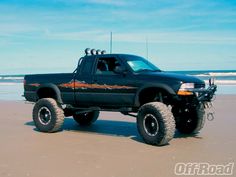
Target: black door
<point x="83" y="82"/>
<point x="111" y="88"/>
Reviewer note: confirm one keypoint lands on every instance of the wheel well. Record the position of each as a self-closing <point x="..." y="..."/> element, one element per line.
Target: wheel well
<point x="46" y="93"/>
<point x="154" y="94"/>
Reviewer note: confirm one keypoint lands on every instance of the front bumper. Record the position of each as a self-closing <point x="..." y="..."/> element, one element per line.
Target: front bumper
<point x="203" y="95"/>
<point x="207" y="94"/>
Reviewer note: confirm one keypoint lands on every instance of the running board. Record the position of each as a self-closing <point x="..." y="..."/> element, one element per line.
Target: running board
<point x="124" y="110"/>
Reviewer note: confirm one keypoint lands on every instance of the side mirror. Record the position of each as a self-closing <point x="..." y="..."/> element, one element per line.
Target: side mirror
<point x="119" y="70"/>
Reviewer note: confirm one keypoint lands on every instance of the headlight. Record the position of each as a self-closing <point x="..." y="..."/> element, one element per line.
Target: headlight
<point x="186" y="86"/>
<point x="185" y="89"/>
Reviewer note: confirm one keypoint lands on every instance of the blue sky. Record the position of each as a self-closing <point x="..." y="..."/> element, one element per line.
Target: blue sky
<point x="40" y="36"/>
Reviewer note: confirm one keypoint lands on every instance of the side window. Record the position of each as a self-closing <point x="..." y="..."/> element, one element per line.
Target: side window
<point x="107" y="65"/>
<point x="86" y="66"/>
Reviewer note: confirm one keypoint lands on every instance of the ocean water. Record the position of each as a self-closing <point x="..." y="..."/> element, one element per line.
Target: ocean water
<point x="11" y="86"/>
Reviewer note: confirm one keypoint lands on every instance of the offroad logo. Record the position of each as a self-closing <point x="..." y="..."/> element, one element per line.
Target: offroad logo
<point x="204" y="169"/>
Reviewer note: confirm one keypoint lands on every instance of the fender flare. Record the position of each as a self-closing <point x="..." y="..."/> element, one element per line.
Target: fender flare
<point x="54" y="88"/>
<point x="158" y="86"/>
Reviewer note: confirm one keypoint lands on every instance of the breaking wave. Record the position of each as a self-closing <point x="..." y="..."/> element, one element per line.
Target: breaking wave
<point x="11" y="78"/>
<point x="10" y="83"/>
<point x="216" y="74"/>
<point x="223" y="82"/>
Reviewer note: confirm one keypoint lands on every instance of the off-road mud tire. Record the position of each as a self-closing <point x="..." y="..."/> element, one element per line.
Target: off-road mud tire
<point x="48" y="115"/>
<point x="161" y="121"/>
<point x="192" y="122"/>
<point x="86" y="119"/>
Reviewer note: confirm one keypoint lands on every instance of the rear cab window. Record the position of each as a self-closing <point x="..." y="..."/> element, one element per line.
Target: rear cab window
<point x="106" y="65"/>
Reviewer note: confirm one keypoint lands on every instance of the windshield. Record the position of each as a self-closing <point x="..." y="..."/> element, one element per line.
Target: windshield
<point x="139" y="64"/>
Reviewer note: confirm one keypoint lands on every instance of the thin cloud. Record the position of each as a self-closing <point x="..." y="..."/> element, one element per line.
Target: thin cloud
<point x="95" y="35"/>
<point x="110" y="2"/>
<point x="177" y="37"/>
<point x="96" y="2"/>
<point x="154" y="37"/>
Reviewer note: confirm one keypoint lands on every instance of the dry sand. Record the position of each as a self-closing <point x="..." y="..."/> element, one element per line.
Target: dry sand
<point x="109" y="148"/>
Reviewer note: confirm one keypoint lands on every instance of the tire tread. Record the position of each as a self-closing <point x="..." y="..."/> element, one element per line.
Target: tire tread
<point x="167" y="119"/>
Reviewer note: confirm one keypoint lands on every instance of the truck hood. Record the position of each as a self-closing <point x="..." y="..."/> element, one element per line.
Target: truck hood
<point x="168" y="76"/>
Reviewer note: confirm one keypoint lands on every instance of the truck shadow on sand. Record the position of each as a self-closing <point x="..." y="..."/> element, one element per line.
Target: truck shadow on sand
<point x="109" y="128"/>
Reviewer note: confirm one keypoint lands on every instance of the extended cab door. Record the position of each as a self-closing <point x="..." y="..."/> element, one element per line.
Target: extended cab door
<point x="83" y="80"/>
<point x="110" y="88"/>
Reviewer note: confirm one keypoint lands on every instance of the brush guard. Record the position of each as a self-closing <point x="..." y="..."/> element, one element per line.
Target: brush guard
<point x="206" y="98"/>
<point x="207" y="94"/>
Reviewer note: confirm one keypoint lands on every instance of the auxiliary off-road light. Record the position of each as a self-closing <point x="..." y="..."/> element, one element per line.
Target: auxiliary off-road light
<point x="98" y="52"/>
<point x="185" y="89"/>
<point x="89" y="51"/>
<point x="93" y="52"/>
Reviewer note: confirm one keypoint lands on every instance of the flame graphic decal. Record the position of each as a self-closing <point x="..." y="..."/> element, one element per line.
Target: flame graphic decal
<point x="35" y="85"/>
<point x="82" y="85"/>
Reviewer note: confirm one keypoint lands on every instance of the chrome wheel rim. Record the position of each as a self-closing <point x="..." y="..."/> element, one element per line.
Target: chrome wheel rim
<point x="150" y="125"/>
<point x="44" y="115"/>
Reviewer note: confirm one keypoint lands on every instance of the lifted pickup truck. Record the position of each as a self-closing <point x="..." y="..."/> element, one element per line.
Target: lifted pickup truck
<point x="161" y="101"/>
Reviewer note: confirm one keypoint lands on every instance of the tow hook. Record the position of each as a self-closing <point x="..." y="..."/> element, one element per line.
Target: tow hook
<point x="210" y="111"/>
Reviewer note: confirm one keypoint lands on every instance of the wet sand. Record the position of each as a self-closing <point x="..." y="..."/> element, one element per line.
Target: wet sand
<point x="109" y="148"/>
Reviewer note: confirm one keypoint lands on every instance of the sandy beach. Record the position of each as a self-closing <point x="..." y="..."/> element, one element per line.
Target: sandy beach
<point x="109" y="148"/>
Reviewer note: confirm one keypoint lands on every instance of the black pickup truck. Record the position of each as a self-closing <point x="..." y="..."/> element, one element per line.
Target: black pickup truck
<point x="161" y="101"/>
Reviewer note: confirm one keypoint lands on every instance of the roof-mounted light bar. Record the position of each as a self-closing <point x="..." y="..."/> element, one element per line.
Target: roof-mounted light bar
<point x="89" y="51"/>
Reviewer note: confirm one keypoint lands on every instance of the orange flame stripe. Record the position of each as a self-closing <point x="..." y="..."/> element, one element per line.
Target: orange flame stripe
<point x="77" y="85"/>
<point x="34" y="84"/>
